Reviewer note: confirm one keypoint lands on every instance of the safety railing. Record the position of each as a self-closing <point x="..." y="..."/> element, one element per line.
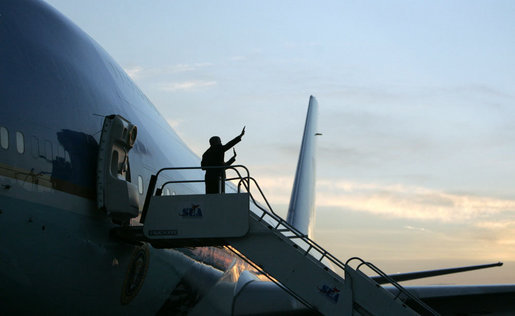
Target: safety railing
<point x="401" y="290"/>
<point x="153" y="182"/>
<point x="278" y="224"/>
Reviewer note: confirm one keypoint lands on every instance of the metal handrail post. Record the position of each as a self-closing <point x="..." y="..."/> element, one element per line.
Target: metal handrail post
<point x="150" y="191"/>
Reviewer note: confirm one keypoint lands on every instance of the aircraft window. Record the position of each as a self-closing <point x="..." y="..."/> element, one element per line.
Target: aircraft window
<point x="20" y="143"/>
<point x="140" y="185"/>
<point x="4" y="137"/>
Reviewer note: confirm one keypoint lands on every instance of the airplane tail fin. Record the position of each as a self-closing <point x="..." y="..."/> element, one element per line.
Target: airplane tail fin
<point x="301" y="211"/>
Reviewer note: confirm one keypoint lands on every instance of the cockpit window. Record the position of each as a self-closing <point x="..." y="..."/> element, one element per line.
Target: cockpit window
<point x="140" y="185"/>
<point x="4" y="138"/>
<point x="20" y="143"/>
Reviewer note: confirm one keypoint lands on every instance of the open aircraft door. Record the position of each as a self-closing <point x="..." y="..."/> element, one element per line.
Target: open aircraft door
<point x="116" y="195"/>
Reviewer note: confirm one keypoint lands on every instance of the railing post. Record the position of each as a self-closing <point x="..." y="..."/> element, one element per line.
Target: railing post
<point x="150" y="192"/>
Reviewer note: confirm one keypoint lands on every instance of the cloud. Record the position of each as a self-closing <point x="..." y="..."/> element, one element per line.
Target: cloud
<point x="174" y="123"/>
<point x="183" y="67"/>
<point x="419" y="229"/>
<point x="479" y="89"/>
<point x="400" y="202"/>
<point x="137" y="72"/>
<point x="186" y="85"/>
<point x="496" y="225"/>
<point x="134" y="71"/>
<point x="497" y="232"/>
<point x="410" y="202"/>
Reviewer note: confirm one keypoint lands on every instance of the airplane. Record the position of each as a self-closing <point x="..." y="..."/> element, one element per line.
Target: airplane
<point x="58" y="252"/>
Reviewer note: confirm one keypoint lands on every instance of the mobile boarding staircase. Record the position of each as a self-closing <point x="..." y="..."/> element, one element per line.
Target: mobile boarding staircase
<point x="271" y="245"/>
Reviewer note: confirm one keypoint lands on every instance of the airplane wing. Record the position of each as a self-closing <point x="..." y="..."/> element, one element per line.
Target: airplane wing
<point x="431" y="273"/>
<point x="466" y="299"/>
<point x="457" y="299"/>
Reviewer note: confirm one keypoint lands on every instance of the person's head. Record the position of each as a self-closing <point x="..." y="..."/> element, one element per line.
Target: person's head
<point x="215" y="140"/>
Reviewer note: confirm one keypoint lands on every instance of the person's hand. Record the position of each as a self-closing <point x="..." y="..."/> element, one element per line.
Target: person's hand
<point x="234" y="153"/>
<point x="242" y="131"/>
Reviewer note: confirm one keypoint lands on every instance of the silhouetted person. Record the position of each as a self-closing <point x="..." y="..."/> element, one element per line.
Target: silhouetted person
<point x="214" y="156"/>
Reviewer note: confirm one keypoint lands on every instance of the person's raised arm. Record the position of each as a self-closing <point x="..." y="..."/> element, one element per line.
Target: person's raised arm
<point x="233" y="158"/>
<point x="233" y="142"/>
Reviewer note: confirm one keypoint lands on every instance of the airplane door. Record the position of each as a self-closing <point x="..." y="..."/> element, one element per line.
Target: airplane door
<point x="116" y="195"/>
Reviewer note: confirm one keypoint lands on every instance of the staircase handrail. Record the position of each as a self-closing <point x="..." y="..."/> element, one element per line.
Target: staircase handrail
<point x="399" y="287"/>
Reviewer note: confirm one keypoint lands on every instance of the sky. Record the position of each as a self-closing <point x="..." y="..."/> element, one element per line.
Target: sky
<point x="414" y="168"/>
